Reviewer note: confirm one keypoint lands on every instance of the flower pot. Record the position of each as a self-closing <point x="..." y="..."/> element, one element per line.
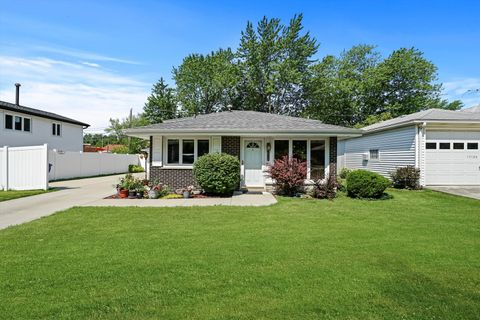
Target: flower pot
<point x="153" y="194"/>
<point x="139" y="194"/>
<point x="123" y="193"/>
<point x="186" y="194"/>
<point x="132" y="194"/>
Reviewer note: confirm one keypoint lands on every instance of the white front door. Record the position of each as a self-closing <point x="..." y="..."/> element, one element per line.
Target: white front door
<point x="253" y="163"/>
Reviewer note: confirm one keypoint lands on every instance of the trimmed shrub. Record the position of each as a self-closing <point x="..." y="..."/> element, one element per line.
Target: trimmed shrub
<point x="289" y="175"/>
<point x="344" y="173"/>
<point x="325" y="189"/>
<point x="132" y="168"/>
<point x="406" y="178"/>
<point x="120" y="149"/>
<point x="217" y="173"/>
<point x="366" y="184"/>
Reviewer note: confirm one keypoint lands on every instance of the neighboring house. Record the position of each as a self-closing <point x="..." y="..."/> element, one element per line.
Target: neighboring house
<point x="24" y="126"/>
<point x="255" y="138"/>
<point x="443" y="144"/>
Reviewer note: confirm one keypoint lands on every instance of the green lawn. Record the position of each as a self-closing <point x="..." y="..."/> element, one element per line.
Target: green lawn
<point x="416" y="256"/>
<point x="14" y="194"/>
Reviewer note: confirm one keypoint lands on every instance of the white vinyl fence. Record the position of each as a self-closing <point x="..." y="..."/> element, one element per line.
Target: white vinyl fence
<point x="28" y="168"/>
<point x="24" y="168"/>
<point x="70" y="164"/>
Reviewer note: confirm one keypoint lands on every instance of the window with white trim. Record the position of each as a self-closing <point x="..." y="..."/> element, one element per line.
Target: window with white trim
<point x="374" y="154"/>
<point x="186" y="151"/>
<point x="18" y="123"/>
<point x="56" y="129"/>
<point x="313" y="151"/>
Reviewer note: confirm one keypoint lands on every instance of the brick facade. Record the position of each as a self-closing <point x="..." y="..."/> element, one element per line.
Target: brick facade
<point x="174" y="178"/>
<point x="333" y="157"/>
<point x="231" y="145"/>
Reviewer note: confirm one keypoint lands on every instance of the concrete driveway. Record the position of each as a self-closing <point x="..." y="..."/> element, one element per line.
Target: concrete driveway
<point x="464" y="191"/>
<point x="92" y="191"/>
<point x="72" y="193"/>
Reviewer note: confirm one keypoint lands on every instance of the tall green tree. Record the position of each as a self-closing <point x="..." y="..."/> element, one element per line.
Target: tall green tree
<point x="340" y="89"/>
<point x="274" y="61"/>
<point x="161" y="104"/>
<point x="405" y="82"/>
<point x="207" y="83"/>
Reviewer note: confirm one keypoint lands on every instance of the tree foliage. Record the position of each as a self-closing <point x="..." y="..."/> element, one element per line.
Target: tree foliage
<point x="161" y="104"/>
<point x="118" y="125"/>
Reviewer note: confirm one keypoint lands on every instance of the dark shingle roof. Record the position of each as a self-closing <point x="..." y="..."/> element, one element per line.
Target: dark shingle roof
<point x="437" y="115"/>
<point x="242" y="121"/>
<point x="39" y="113"/>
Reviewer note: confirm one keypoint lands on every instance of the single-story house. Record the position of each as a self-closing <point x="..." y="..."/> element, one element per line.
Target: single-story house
<point x="24" y="126"/>
<point x="256" y="138"/>
<point x="443" y="144"/>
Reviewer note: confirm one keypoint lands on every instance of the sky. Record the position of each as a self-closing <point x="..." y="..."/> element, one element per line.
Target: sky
<point x="94" y="60"/>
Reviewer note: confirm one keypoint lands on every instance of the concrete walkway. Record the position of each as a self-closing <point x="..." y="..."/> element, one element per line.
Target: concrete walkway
<point x="255" y="200"/>
<point x="464" y="191"/>
<point x="92" y="191"/>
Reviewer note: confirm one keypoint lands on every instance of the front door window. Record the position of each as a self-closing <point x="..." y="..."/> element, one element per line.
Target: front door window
<point x="253" y="174"/>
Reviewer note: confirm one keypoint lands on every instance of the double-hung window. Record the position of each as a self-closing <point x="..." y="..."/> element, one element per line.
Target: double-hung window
<point x="56" y="129"/>
<point x="186" y="151"/>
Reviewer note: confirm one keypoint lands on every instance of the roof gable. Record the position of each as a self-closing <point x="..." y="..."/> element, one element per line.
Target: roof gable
<point x="436" y="115"/>
<point x="39" y="113"/>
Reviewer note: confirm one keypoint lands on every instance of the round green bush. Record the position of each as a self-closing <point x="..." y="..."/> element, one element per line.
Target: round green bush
<point x="217" y="173"/>
<point x="366" y="184"/>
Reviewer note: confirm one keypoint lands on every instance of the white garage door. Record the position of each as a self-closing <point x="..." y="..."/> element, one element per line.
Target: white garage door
<point x="452" y="158"/>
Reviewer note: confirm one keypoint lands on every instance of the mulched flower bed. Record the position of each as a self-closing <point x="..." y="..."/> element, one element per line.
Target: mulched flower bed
<point x="195" y="196"/>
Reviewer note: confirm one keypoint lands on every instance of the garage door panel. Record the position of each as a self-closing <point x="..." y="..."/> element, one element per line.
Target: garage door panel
<point x="452" y="166"/>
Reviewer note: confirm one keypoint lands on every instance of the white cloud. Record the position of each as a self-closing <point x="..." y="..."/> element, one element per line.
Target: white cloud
<point x="76" y="90"/>
<point x="463" y="89"/>
<point x="83" y="55"/>
<point x="91" y="64"/>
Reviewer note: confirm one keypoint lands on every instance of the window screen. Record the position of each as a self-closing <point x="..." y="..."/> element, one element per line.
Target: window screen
<point x="188" y="151"/>
<point x="173" y="152"/>
<point x="281" y="148"/>
<point x="203" y="147"/>
<point x="374" y="154"/>
<point x="18" y="123"/>
<point x="8" y="121"/>
<point x="299" y="149"/>
<point x="317" y="159"/>
<point x="26" y="124"/>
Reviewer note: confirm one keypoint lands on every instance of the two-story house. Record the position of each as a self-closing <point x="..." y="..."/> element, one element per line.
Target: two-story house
<point x="25" y="126"/>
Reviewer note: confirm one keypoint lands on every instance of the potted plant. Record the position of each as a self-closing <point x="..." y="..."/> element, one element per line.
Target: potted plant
<point x="187" y="192"/>
<point x="154" y="191"/>
<point x="140" y="191"/>
<point x="122" y="188"/>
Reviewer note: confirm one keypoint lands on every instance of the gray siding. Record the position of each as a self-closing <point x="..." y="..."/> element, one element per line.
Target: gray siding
<point x="396" y="149"/>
